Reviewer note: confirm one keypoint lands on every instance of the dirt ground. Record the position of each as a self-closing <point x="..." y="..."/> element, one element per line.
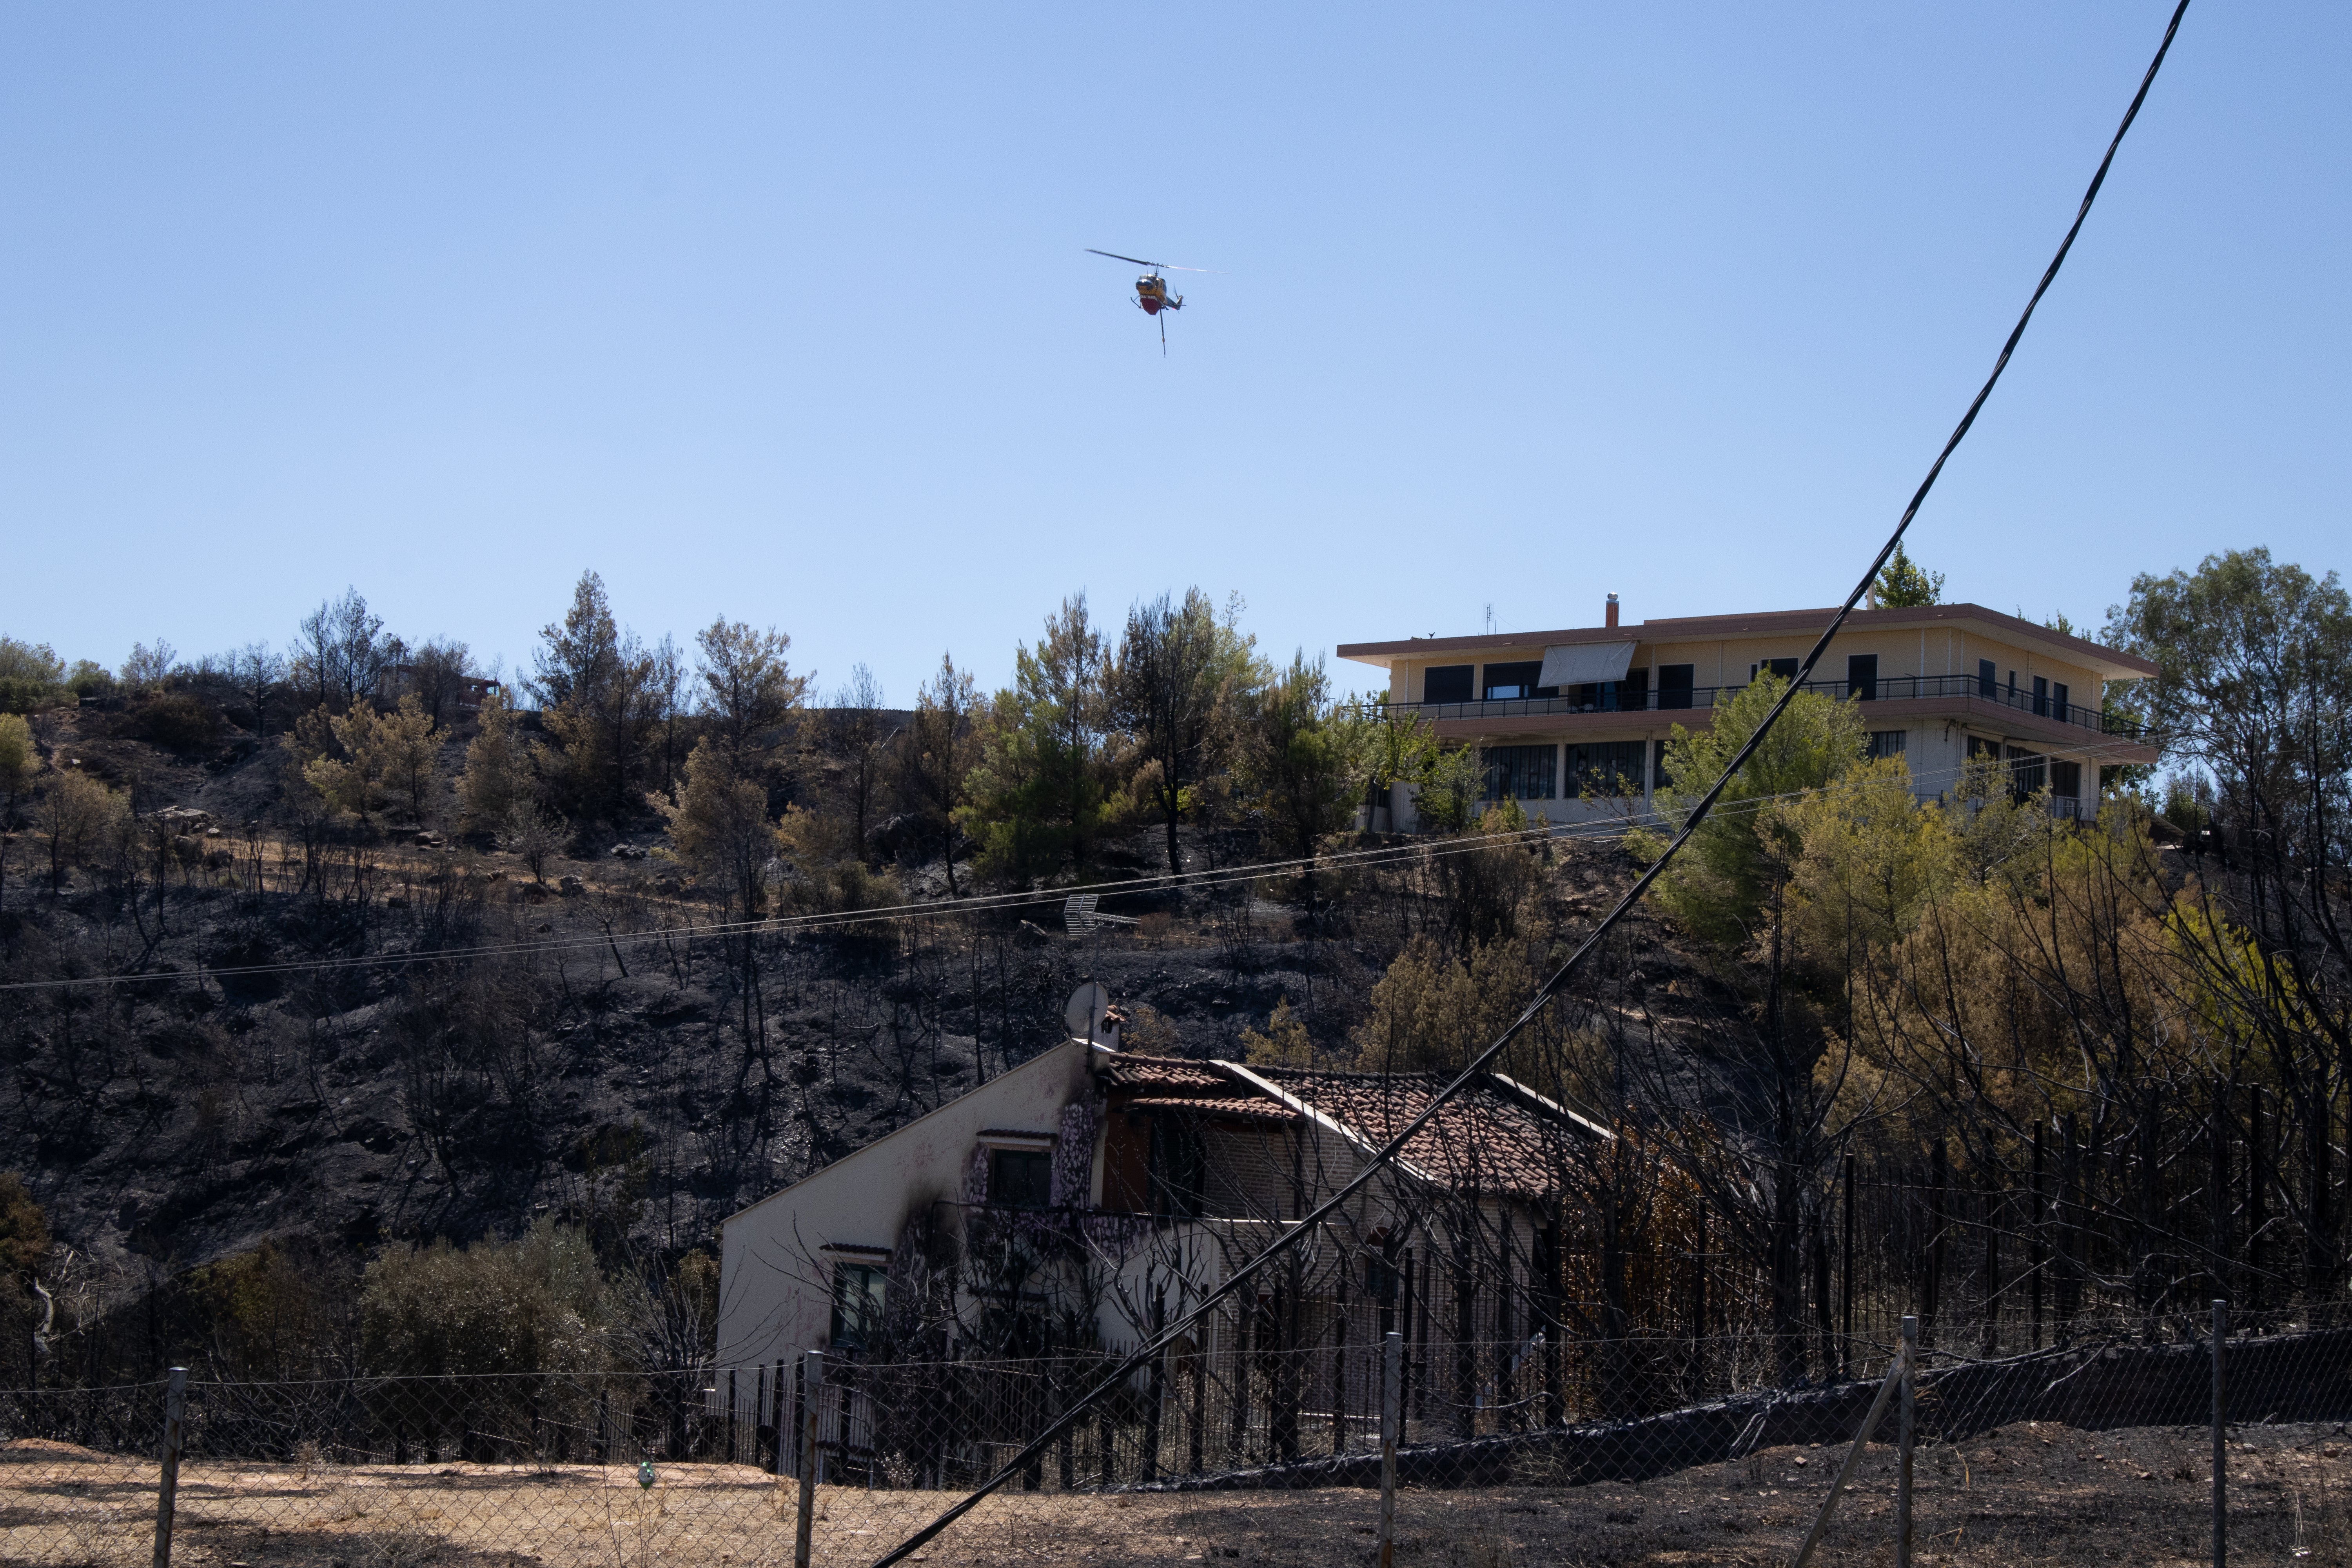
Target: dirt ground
<point x="2022" y="1495"/>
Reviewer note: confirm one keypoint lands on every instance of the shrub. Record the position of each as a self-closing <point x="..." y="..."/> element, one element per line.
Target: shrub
<point x="31" y="677"/>
<point x="18" y="695"/>
<point x="177" y="722"/>
<point x="18" y="759"/>
<point x="90" y="678"/>
<point x="24" y="1252"/>
<point x="537" y="1303"/>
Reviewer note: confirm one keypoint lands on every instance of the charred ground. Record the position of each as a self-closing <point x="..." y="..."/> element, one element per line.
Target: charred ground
<point x="595" y="1057"/>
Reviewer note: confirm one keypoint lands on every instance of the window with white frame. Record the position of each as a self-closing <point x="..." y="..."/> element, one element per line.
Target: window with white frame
<point x="857" y="1290"/>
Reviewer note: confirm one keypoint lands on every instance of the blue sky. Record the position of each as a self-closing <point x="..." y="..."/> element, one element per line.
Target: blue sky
<point x="783" y="312"/>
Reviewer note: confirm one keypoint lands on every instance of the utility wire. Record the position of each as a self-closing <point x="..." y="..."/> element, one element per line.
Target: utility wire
<point x="1374" y="857"/>
<point x="1388" y="1152"/>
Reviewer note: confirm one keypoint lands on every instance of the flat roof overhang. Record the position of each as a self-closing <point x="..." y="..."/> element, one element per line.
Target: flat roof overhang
<point x="2111" y="664"/>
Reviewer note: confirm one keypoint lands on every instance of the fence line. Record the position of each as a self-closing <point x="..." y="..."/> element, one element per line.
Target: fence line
<point x="611" y="1470"/>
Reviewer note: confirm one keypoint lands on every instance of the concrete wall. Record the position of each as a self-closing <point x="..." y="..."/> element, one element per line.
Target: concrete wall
<point x="776" y="1289"/>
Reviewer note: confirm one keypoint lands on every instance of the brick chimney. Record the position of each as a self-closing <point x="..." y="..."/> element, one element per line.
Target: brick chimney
<point x="1612" y="612"/>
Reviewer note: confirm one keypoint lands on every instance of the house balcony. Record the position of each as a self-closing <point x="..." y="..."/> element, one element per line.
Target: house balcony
<point x="1918" y="693"/>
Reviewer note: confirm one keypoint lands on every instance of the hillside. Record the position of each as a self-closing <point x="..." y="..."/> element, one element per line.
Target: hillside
<point x="595" y="1058"/>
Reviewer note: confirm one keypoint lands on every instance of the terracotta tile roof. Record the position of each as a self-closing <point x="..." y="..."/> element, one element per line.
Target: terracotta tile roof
<point x="1250" y="1107"/>
<point x="1486" y="1139"/>
<point x="1126" y="1069"/>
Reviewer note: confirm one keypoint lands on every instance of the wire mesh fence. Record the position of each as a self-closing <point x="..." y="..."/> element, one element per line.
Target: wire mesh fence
<point x="1485" y="1452"/>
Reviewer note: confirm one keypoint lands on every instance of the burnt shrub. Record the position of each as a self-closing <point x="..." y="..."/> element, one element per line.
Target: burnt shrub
<point x="175" y="722"/>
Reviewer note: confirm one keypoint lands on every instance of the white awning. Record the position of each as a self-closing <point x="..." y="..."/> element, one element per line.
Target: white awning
<point x="1580" y="664"/>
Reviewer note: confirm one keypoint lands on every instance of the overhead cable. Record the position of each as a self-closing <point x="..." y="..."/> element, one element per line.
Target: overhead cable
<point x="1388" y="1150"/>
<point x="1373" y="857"/>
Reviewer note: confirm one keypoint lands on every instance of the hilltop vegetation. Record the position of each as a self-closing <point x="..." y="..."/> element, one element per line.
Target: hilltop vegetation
<point x="568" y="968"/>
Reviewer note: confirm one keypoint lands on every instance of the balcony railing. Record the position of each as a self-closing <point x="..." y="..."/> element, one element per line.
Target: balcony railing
<point x="1885" y="688"/>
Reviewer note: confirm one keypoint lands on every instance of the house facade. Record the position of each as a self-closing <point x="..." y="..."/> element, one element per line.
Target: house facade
<point x="1090" y="1196"/>
<point x="1572" y="723"/>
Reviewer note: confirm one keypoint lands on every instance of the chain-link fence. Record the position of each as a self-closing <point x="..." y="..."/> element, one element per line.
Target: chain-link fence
<point x="1487" y="1453"/>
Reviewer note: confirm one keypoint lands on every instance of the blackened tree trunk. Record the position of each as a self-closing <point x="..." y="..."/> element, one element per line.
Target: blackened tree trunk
<point x="1465" y="1352"/>
<point x="1244" y="1313"/>
<point x="1548" y="1307"/>
<point x="1155" y="1394"/>
<point x="1282" y="1418"/>
<point x="1928" y="1298"/>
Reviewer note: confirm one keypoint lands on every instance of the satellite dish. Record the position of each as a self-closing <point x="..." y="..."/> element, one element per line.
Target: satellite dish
<point x="1088" y="1004"/>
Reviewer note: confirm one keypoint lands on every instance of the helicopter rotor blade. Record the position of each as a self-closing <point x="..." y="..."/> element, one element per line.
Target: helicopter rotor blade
<point x="1155" y="265"/>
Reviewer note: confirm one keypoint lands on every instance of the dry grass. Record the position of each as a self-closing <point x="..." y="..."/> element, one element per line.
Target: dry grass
<point x="2023" y="1495"/>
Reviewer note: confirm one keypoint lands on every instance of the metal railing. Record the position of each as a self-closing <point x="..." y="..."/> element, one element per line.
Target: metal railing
<point x="1885" y="688"/>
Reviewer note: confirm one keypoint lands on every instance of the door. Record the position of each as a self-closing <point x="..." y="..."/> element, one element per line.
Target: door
<point x="1861" y="677"/>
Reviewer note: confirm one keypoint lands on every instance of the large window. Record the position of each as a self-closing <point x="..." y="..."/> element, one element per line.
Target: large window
<point x="1020" y="1178"/>
<point x="1506" y="681"/>
<point x="1887" y="742"/>
<point x="2065" y="779"/>
<point x="856" y="1305"/>
<point x="1660" y="778"/>
<point x="1675" y="685"/>
<point x="1606" y="767"/>
<point x="2028" y="771"/>
<point x="1631" y="694"/>
<point x="1520" y="772"/>
<point x="1861" y="676"/>
<point x="2058" y="703"/>
<point x="1988" y="678"/>
<point x="1446" y="682"/>
<point x="1786" y="668"/>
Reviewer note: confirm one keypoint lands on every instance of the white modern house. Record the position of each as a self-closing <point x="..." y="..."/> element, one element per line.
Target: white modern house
<point x="1572" y="723"/>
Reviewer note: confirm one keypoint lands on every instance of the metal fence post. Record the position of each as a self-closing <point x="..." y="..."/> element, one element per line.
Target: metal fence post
<point x="1853" y="1458"/>
<point x="1908" y="1424"/>
<point x="811" y="1402"/>
<point x="1392" y="1431"/>
<point x="2220" y="1444"/>
<point x="167" y="1490"/>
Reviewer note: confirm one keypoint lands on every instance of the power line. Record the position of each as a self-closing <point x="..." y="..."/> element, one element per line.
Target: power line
<point x="784" y="925"/>
<point x="1387" y="1152"/>
<point x="1374" y="857"/>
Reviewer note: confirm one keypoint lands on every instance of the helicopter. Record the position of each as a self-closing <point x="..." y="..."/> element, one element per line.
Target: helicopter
<point x="1151" y="295"/>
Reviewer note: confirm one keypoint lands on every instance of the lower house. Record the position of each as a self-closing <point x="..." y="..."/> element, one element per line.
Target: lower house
<point x="1063" y="1211"/>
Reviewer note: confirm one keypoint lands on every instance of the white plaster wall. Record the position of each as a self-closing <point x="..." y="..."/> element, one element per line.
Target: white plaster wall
<point x="1936" y="753"/>
<point x="775" y="1282"/>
